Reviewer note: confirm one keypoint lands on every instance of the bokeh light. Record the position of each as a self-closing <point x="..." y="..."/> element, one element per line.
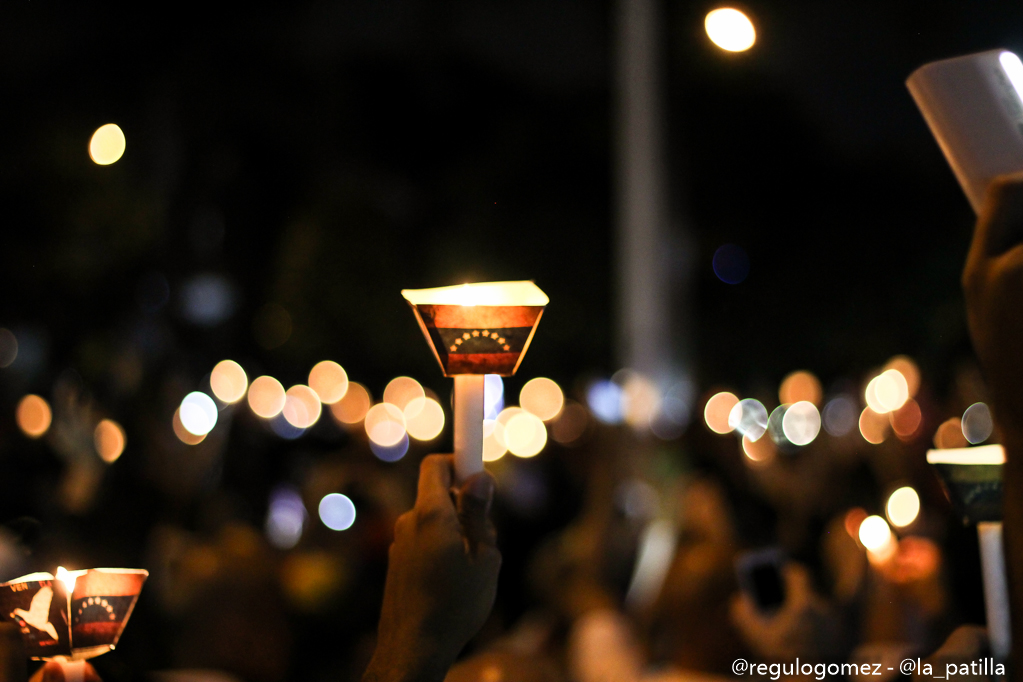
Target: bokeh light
<point x="8" y="347"/>
<point x="906" y="420"/>
<point x="903" y="507"/>
<point x="493" y="395"/>
<point x="950" y="435"/>
<point x="285" y="518"/>
<point x="853" y="518"/>
<point x="543" y="397"/>
<point x="385" y="424"/>
<point x="525" y="434"/>
<point x="910" y="372"/>
<point x="731" y="264"/>
<point x="761" y="450"/>
<point x="109" y="440"/>
<point x="228" y="381"/>
<point x="494" y="447"/>
<point x="390" y="453"/>
<point x="352" y="408"/>
<point x="571" y="424"/>
<point x="641" y="399"/>
<point x="301" y="406"/>
<point x="337" y="511"/>
<point x="266" y="397"/>
<point x="424" y="418"/>
<point x="748" y="418"/>
<point x="874" y="533"/>
<point x="840" y="416"/>
<point x="107" y="144"/>
<point x="978" y="425"/>
<point x="730" y="29"/>
<point x="33" y="415"/>
<point x="400" y="391"/>
<point x="873" y="426"/>
<point x="717" y="410"/>
<point x="887" y="391"/>
<point x="801" y="423"/>
<point x="605" y="400"/>
<point x="800" y="386"/>
<point x="182" y="433"/>
<point x="198" y="413"/>
<point x="329" y="380"/>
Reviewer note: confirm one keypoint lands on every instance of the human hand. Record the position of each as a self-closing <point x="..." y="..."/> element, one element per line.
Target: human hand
<point x="78" y="671"/>
<point x="802" y="626"/>
<point x="993" y="284"/>
<point x="441" y="576"/>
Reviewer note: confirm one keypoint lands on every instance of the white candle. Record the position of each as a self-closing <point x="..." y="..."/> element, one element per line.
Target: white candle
<point x="74" y="671"/>
<point x="996" y="588"/>
<point x="468" y="425"/>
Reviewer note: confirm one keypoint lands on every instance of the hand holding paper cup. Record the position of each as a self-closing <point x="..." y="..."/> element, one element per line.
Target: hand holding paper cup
<point x="475" y="330"/>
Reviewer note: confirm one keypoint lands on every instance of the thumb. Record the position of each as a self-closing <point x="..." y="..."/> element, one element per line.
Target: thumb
<point x="474" y="498"/>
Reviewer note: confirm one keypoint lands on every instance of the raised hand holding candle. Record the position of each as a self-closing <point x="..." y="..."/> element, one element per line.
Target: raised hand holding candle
<point x="474" y="330"/>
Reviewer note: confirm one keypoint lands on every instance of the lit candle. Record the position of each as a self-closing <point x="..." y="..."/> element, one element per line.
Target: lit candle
<point x="474" y="330"/>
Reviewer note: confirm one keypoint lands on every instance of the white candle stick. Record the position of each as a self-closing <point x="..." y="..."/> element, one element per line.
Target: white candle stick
<point x="468" y="425"/>
<point x="996" y="588"/>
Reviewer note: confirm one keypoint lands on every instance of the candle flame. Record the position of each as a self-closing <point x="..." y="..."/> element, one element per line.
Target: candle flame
<point x="67" y="578"/>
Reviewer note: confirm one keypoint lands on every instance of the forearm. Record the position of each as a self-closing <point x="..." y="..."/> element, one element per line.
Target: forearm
<point x="404" y="666"/>
<point x="1013" y="537"/>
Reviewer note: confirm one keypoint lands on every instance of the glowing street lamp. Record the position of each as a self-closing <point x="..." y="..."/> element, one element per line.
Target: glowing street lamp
<point x="474" y="330"/>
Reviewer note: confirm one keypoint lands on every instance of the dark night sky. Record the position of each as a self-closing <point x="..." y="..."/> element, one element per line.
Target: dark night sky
<point x="352" y="149"/>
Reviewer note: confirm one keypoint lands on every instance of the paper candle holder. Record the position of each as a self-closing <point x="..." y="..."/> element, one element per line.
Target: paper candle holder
<point x="74" y="616"/>
<point x="972" y="479"/>
<point x="482" y="328"/>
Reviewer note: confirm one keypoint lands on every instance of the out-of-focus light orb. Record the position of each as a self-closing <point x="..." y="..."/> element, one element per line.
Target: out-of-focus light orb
<point x="874" y="533"/>
<point x="8" y="347"/>
<point x="182" y="433"/>
<point x="400" y="391"/>
<point x="543" y="397"/>
<point x="950" y="435"/>
<point x="903" y="507"/>
<point x="424" y="418"/>
<point x="228" y="381"/>
<point x="641" y="400"/>
<point x="853" y="518"/>
<point x="109" y="440"/>
<point x="301" y="406"/>
<point x="906" y="420"/>
<point x="525" y="435"/>
<point x="717" y="410"/>
<point x="33" y="415"/>
<point x="385" y="424"/>
<point x="208" y="299"/>
<point x="730" y="29"/>
<point x="285" y="518"/>
<point x="107" y="144"/>
<point x="749" y="418"/>
<point x="329" y="380"/>
<point x="390" y="453"/>
<point x="801" y="423"/>
<point x="890" y="391"/>
<point x="266" y="397"/>
<point x="280" y="425"/>
<point x="494" y="447"/>
<point x="337" y="512"/>
<point x="800" y="386"/>
<point x="977" y="423"/>
<point x="905" y="366"/>
<point x="731" y="264"/>
<point x="571" y="424"/>
<point x="873" y="426"/>
<point x="352" y="408"/>
<point x="839" y="416"/>
<point x="605" y="400"/>
<point x="493" y="395"/>
<point x="198" y="413"/>
<point x="675" y="413"/>
<point x="760" y="451"/>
